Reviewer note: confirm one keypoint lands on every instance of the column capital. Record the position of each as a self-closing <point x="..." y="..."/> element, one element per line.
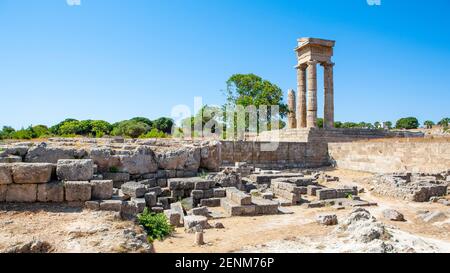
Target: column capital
<point x="328" y="64"/>
<point x="301" y="66"/>
<point x="311" y="63"/>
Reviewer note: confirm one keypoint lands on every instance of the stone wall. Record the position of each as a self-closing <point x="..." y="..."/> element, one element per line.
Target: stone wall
<point x="331" y="135"/>
<point x="286" y="154"/>
<point x="391" y="156"/>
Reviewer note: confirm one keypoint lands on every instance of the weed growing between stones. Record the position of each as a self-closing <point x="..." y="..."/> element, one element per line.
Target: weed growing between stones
<point x="156" y="225"/>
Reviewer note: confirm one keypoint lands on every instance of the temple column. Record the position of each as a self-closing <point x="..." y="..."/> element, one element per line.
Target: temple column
<point x="311" y="116"/>
<point x="328" y="96"/>
<point x="301" y="100"/>
<point x="292" y="123"/>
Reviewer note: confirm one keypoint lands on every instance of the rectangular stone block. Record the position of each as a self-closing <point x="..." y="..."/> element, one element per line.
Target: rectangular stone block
<point x="77" y="191"/>
<point x="208" y="193"/>
<point x="26" y="193"/>
<point x="150" y="199"/>
<point x="177" y="207"/>
<point x="3" y="189"/>
<point x="156" y="190"/>
<point x="5" y="174"/>
<point x="117" y="177"/>
<point x="111" y="205"/>
<point x="219" y="192"/>
<point x="232" y="209"/>
<point x="265" y="207"/>
<point x="311" y="190"/>
<point x="102" y="189"/>
<point x="75" y="169"/>
<point x="134" y="189"/>
<point x="211" y="202"/>
<point x="50" y="192"/>
<point x="324" y="194"/>
<point x="140" y="203"/>
<point x="162" y="182"/>
<point x="173" y="217"/>
<point x="197" y="194"/>
<point x="92" y="205"/>
<point x="32" y="173"/>
<point x="202" y="185"/>
<point x="238" y="197"/>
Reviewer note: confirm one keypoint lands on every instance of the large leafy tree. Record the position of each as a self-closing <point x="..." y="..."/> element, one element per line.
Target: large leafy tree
<point x="163" y="124"/>
<point x="428" y="124"/>
<point x="407" y="123"/>
<point x="252" y="90"/>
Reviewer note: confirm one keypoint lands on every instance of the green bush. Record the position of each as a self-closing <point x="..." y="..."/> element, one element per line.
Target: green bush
<point x="407" y="123"/>
<point x="156" y="225"/>
<point x="154" y="133"/>
<point x="23" y="134"/>
<point x="163" y="124"/>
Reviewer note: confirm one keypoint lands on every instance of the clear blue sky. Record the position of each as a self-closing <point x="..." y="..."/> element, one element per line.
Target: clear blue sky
<point x="116" y="59"/>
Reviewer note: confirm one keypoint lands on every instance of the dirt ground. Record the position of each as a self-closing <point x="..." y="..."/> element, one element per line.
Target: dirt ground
<point x="254" y="232"/>
<point x="69" y="229"/>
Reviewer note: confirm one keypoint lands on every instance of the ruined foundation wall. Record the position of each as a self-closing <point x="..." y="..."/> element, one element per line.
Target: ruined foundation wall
<point x="391" y="156"/>
<point x="286" y="154"/>
<point x="331" y="135"/>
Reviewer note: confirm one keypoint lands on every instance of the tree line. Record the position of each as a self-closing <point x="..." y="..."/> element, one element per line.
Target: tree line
<point x="134" y="128"/>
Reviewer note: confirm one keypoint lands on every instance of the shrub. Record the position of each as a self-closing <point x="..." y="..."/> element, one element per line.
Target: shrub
<point x="23" y="134"/>
<point x="163" y="124"/>
<point x="156" y="225"/>
<point x="40" y="131"/>
<point x="154" y="133"/>
<point x="407" y="123"/>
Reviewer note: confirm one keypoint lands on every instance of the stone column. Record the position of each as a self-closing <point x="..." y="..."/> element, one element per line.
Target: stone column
<point x="311" y="116"/>
<point x="301" y="100"/>
<point x="328" y="96"/>
<point x="292" y="123"/>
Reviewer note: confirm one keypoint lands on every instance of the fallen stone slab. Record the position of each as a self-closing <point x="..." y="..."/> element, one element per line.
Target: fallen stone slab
<point x="210" y="202"/>
<point x="77" y="191"/>
<point x="199" y="211"/>
<point x="233" y="209"/>
<point x="173" y="217"/>
<point x="26" y="193"/>
<point x="92" y="205"/>
<point x="238" y="197"/>
<point x="284" y="210"/>
<point x="32" y="173"/>
<point x="102" y="189"/>
<point x="110" y="205"/>
<point x="191" y="221"/>
<point x="50" y="192"/>
<point x="265" y="207"/>
<point x="267" y="178"/>
<point x="75" y="169"/>
<point x="134" y="189"/>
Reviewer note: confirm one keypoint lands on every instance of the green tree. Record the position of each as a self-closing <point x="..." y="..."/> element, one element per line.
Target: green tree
<point x="320" y="122"/>
<point x="163" y="124"/>
<point x="377" y="125"/>
<point x="6" y="132"/>
<point x="444" y="122"/>
<point x="71" y="128"/>
<point x="407" y="123"/>
<point x="387" y="124"/>
<point x="252" y="90"/>
<point x="130" y="128"/>
<point x="428" y="124"/>
<point x="337" y="124"/>
<point x="100" y="128"/>
<point x="55" y="128"/>
<point x="143" y="120"/>
<point x="40" y="131"/>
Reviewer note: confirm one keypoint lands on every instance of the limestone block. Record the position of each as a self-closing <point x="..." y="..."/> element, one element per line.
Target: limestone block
<point x="210" y="202"/>
<point x="92" y="205"/>
<point x="238" y="197"/>
<point x="3" y="189"/>
<point x="140" y="204"/>
<point x="50" y="192"/>
<point x="199" y="211"/>
<point x="32" y="173"/>
<point x="5" y="174"/>
<point x="117" y="177"/>
<point x="139" y="161"/>
<point x="324" y="194"/>
<point x="26" y="193"/>
<point x="173" y="217"/>
<point x="150" y="199"/>
<point x="191" y="221"/>
<point x="327" y="219"/>
<point x="265" y="207"/>
<point x="177" y="207"/>
<point x="11" y="159"/>
<point x="77" y="191"/>
<point x="219" y="192"/>
<point x="134" y="189"/>
<point x="111" y="205"/>
<point x="157" y="190"/>
<point x="102" y="189"/>
<point x="75" y="169"/>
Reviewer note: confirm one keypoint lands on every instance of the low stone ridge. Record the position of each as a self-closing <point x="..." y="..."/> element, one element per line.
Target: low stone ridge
<point x="417" y="187"/>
